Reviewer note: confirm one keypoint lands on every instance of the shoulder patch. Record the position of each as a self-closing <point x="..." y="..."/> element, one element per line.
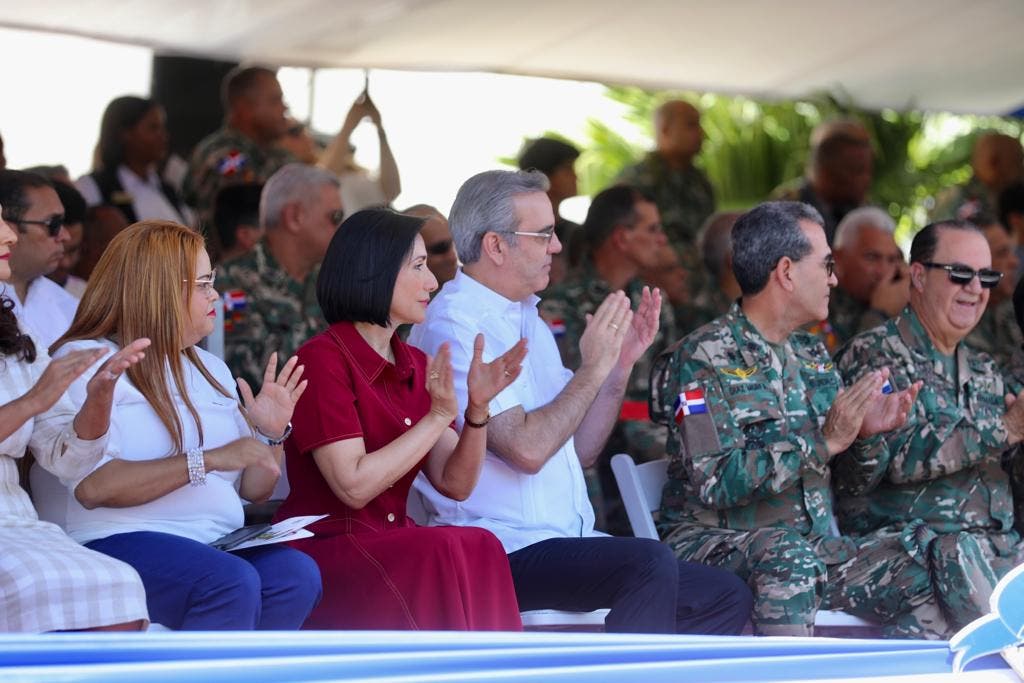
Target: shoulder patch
<point x="232" y="163"/>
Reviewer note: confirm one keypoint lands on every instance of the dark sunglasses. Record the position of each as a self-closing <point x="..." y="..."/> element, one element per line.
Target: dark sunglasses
<point x="962" y="275"/>
<point x="439" y="248"/>
<point x="53" y="224"/>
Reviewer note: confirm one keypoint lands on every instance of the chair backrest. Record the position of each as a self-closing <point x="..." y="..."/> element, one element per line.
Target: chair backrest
<point x="640" y="487"/>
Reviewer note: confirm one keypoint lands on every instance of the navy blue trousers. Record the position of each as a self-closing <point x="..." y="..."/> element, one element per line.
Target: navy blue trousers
<point x="193" y="587"/>
<point x="647" y="589"/>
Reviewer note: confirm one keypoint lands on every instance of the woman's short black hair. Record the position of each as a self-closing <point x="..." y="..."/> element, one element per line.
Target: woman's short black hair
<point x="357" y="277"/>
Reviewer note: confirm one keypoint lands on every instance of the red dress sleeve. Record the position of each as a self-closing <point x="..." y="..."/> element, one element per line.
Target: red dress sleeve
<point x="326" y="411"/>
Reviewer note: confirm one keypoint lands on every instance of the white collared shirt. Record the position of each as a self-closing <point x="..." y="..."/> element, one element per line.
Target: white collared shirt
<point x="519" y="508"/>
<point x="148" y="199"/>
<point x="47" y="311"/>
<point x="202" y="513"/>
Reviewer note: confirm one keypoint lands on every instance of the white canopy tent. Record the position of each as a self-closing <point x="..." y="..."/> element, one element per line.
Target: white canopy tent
<point x="950" y="55"/>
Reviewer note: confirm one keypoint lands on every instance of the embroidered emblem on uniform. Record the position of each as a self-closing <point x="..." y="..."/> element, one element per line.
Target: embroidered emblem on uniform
<point x="232" y="163"/>
<point x="690" y="403"/>
<point x="557" y="327"/>
<point x="819" y="367"/>
<point x="740" y="373"/>
<point x="887" y="387"/>
<point x="235" y="300"/>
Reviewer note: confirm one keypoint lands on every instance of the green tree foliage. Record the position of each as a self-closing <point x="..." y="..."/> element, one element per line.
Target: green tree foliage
<point x="753" y="146"/>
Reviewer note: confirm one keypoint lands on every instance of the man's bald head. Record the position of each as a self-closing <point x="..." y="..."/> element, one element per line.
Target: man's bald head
<point x="677" y="130"/>
<point x="998" y="160"/>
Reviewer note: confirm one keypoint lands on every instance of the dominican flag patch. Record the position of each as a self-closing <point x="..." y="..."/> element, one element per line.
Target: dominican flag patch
<point x="690" y="403"/>
<point x="235" y="300"/>
<point x="557" y="327"/>
<point x="232" y="163"/>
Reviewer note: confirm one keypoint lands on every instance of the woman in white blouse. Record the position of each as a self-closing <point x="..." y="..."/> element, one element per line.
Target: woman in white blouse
<point x="47" y="581"/>
<point x="181" y="451"/>
<point x="133" y="143"/>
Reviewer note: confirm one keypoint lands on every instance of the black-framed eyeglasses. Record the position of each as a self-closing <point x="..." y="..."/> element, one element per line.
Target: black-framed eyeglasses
<point x="439" y="248"/>
<point x="960" y="274"/>
<point x="830" y="266"/>
<point x="336" y="216"/>
<point x="53" y="224"/>
<point x="546" y="234"/>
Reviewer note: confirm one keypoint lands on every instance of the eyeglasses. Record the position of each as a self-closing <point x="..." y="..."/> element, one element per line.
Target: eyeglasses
<point x="439" y="248"/>
<point x="53" y="224"/>
<point x="960" y="274"/>
<point x="205" y="284"/>
<point x="830" y="266"/>
<point x="546" y="234"/>
<point x="336" y="216"/>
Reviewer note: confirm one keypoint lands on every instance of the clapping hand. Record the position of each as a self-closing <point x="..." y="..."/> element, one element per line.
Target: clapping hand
<point x="104" y="379"/>
<point x="643" y="328"/>
<point x="845" y="418"/>
<point x="441" y="385"/>
<point x="57" y="377"/>
<point x="487" y="380"/>
<point x="890" y="412"/>
<point x="272" y="408"/>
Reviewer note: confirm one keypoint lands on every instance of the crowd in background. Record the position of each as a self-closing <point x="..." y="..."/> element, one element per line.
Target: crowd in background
<point x="487" y="365"/>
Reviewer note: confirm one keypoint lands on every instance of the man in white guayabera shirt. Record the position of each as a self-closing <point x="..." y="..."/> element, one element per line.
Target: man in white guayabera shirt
<point x="550" y="423"/>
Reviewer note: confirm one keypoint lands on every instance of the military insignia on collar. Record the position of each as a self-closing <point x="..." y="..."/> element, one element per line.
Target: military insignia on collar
<point x="740" y="373"/>
<point x="819" y="367"/>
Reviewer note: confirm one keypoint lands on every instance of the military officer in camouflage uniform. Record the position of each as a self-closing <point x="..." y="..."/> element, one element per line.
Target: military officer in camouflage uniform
<point x="682" y="192"/>
<point x="270" y="292"/>
<point x="840" y="167"/>
<point x="756" y="412"/>
<point x="243" y="150"/>
<point x="623" y="234"/>
<point x="873" y="280"/>
<point x="998" y="162"/>
<point x="939" y="480"/>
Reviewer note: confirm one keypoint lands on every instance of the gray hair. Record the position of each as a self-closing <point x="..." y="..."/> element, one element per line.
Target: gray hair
<point x="292" y="183"/>
<point x="715" y="240"/>
<point x="484" y="204"/>
<point x="766" y="234"/>
<point x="857" y="220"/>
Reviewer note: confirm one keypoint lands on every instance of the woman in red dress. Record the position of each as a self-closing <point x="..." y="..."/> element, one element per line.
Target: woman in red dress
<point x="376" y="412"/>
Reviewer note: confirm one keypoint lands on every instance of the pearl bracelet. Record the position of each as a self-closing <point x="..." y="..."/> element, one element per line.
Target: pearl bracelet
<point x="196" y="467"/>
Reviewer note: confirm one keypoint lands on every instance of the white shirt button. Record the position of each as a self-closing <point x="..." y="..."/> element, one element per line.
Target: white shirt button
<point x="391" y="516"/>
<point x="408" y="422"/>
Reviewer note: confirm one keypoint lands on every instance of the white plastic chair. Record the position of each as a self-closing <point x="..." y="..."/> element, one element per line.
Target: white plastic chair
<point x="640" y="487"/>
<point x="538" y="619"/>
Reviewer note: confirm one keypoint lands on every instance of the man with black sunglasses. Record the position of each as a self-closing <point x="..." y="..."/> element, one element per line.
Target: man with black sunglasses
<point x="938" y="482"/>
<point x="32" y="207"/>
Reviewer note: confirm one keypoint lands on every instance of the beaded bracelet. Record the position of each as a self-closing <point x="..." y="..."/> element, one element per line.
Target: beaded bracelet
<point x="196" y="467"/>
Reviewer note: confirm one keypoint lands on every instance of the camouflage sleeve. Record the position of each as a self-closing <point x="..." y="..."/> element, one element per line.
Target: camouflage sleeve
<point x="243" y="337"/>
<point x="735" y="454"/>
<point x="938" y="439"/>
<point x="566" y="325"/>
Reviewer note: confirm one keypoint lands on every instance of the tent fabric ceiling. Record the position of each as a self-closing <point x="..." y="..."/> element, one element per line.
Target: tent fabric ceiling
<point x="939" y="55"/>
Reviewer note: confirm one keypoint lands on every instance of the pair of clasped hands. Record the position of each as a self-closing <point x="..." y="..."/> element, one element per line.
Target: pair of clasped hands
<point x="269" y="411"/>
